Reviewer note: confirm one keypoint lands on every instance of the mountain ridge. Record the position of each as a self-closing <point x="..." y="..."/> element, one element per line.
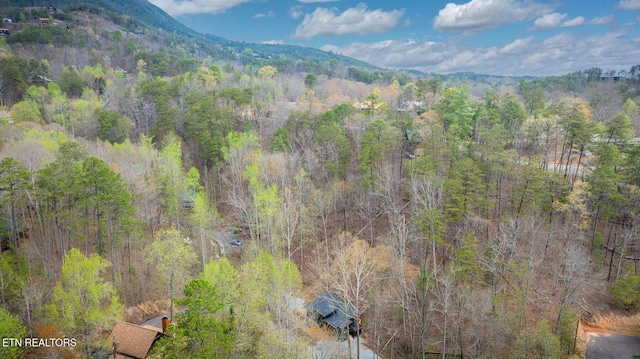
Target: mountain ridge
<point x="147" y="14"/>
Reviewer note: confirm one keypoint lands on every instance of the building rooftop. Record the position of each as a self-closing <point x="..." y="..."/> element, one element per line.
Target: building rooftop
<point x="332" y="309"/>
<point x="134" y="341"/>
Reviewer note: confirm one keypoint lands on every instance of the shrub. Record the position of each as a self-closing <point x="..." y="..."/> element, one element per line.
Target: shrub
<point x="626" y="291"/>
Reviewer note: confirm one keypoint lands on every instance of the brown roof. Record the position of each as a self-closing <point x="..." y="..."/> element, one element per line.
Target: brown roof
<point x="133" y="340"/>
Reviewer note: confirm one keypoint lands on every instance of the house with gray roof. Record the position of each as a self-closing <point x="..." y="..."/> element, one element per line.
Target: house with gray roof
<point x="333" y="312"/>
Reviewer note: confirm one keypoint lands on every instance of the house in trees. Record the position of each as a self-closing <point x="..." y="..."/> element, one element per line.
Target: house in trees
<point x="133" y="341"/>
<point x="411" y="106"/>
<point x="330" y="311"/>
<point x="44" y="21"/>
<point x="368" y="105"/>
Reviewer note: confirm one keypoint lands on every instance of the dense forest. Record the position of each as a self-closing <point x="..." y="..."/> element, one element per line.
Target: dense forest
<point x="467" y="215"/>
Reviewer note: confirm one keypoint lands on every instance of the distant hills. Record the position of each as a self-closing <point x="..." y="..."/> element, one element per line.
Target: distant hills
<point x="140" y="10"/>
<point x="134" y="14"/>
<point x="138" y="15"/>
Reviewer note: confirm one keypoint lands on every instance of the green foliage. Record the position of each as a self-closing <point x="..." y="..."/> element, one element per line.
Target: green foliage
<point x="158" y="63"/>
<point x="626" y="291"/>
<point x="96" y="79"/>
<point x="173" y="184"/>
<point x="16" y="74"/>
<point x="512" y="115"/>
<point x="83" y="302"/>
<point x="14" y="271"/>
<point x="632" y="166"/>
<point x="280" y="141"/>
<point x="532" y="95"/>
<point x="566" y="330"/>
<point x="362" y="75"/>
<point x="14" y="181"/>
<point x="267" y="72"/>
<point x="528" y="193"/>
<point x="432" y="224"/>
<point x="266" y="200"/>
<point x="160" y="92"/>
<point x="376" y="145"/>
<point x="332" y="139"/>
<point x="71" y="82"/>
<point x="258" y="292"/>
<point x="208" y="127"/>
<point x="277" y="344"/>
<point x="604" y="190"/>
<point x="173" y="258"/>
<point x="331" y="135"/>
<point x="42" y="35"/>
<point x="11" y="327"/>
<point x="104" y="191"/>
<point x="538" y="343"/>
<point x="204" y="329"/>
<point x="239" y="142"/>
<point x="465" y="190"/>
<point x="465" y="261"/>
<point x="297" y="126"/>
<point x="222" y="276"/>
<point x="598" y="251"/>
<point x="455" y="112"/>
<point x="310" y="81"/>
<point x="427" y="90"/>
<point x="241" y="97"/>
<point x="112" y="127"/>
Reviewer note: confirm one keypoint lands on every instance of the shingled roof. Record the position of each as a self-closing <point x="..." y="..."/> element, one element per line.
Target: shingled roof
<point x="134" y="341"/>
<point x="328" y="304"/>
<point x="332" y="310"/>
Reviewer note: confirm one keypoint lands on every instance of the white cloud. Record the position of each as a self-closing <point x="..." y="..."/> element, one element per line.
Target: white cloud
<point x="182" y="7"/>
<point x="559" y="41"/>
<point x="269" y="14"/>
<point x="578" y="21"/>
<point x="628" y="5"/>
<point x="486" y="14"/>
<point x="602" y="20"/>
<point x="315" y="1"/>
<point x="517" y="46"/>
<point x="549" y="21"/>
<point x="555" y="55"/>
<point x="357" y="20"/>
<point x="554" y="20"/>
<point x="296" y="11"/>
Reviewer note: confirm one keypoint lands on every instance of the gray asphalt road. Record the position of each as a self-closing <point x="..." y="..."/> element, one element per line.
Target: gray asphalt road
<point x="226" y="239"/>
<point x="156" y="321"/>
<point x="612" y="346"/>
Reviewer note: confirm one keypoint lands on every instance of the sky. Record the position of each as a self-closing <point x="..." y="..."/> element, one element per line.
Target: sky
<point x="497" y="37"/>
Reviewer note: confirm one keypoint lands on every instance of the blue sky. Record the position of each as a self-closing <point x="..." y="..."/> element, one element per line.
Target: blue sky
<point x="500" y="37"/>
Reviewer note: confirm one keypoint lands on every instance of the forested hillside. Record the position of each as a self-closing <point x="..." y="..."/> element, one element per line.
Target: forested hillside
<point x="141" y="174"/>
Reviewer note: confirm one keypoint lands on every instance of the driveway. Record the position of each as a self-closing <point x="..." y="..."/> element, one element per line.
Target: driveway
<point x="156" y="321"/>
<point x="612" y="346"/>
<point x="228" y="241"/>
